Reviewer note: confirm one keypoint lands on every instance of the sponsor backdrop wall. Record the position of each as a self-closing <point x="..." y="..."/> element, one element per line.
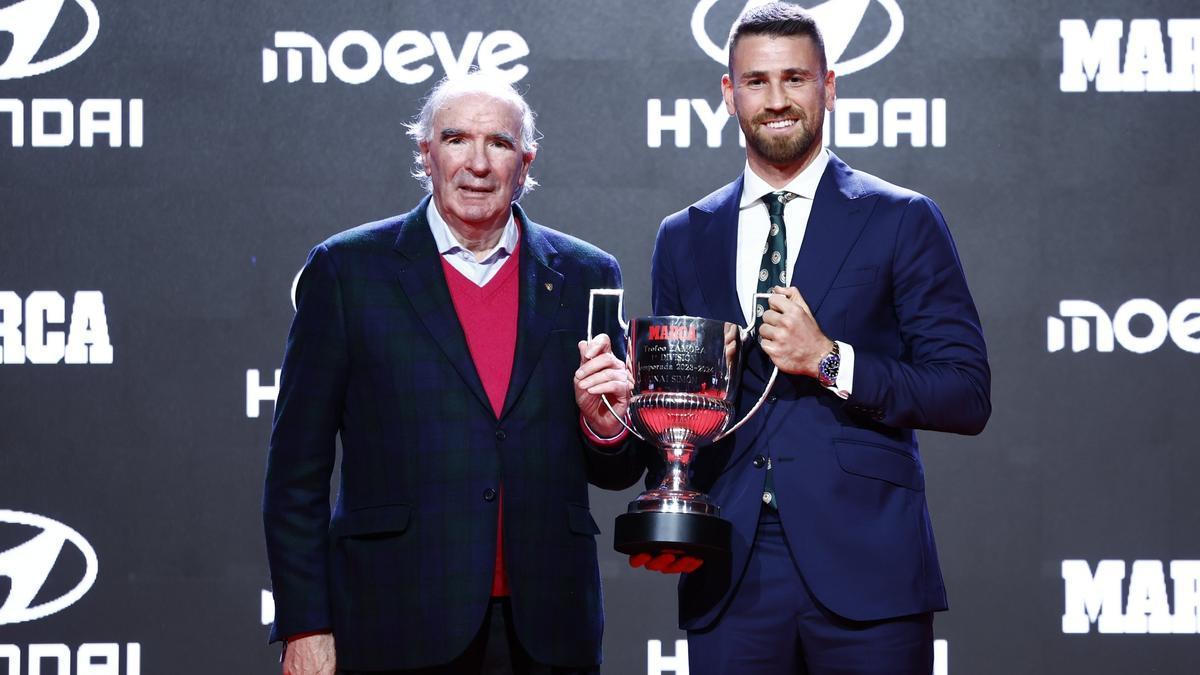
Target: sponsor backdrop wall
<point x="165" y="167"/>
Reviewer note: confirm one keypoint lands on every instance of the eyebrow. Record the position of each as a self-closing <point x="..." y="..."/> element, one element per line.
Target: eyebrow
<point x="451" y="132"/>
<point x="751" y="74"/>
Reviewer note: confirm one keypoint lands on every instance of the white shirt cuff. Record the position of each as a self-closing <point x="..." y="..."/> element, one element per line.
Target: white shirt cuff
<point x="845" y="379"/>
<point x="599" y="440"/>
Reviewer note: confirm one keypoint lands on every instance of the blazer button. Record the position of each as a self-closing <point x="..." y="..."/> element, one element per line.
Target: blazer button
<point x="759" y="461"/>
<point x="489" y="495"/>
<point x="772" y="398"/>
<point x="500" y="435"/>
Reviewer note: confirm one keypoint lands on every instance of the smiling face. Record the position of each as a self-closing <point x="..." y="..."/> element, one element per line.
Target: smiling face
<point x="779" y="93"/>
<point x="475" y="161"/>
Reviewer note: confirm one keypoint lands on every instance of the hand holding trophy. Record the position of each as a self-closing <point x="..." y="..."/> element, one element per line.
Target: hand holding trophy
<point x="685" y="374"/>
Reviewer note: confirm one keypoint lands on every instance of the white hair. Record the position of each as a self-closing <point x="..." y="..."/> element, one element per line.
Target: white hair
<point x="474" y="82"/>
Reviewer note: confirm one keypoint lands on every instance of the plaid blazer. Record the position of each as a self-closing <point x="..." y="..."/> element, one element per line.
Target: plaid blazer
<point x="401" y="568"/>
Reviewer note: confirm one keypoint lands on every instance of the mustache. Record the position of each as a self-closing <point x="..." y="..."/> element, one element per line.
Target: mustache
<point x="764" y="117"/>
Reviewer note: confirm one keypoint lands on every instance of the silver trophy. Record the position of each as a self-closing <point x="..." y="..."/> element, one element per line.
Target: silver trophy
<point x="686" y="371"/>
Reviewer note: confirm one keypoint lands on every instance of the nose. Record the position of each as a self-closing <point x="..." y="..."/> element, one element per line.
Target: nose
<point x="776" y="97"/>
<point x="477" y="162"/>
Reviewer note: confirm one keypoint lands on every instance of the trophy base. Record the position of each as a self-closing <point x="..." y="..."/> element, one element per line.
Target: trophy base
<point x="696" y="534"/>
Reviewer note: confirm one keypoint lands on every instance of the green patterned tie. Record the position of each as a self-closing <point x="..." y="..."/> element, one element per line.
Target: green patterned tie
<point x="772" y="272"/>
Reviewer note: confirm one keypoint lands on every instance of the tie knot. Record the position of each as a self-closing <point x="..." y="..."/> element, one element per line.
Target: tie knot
<point x="777" y="200"/>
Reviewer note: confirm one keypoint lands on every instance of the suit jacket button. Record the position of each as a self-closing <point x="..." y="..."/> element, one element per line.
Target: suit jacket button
<point x="500" y="435"/>
<point x="772" y="398"/>
<point x="489" y="495"/>
<point x="759" y="461"/>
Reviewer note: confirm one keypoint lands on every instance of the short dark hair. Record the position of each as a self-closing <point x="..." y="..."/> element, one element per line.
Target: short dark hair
<point x="777" y="19"/>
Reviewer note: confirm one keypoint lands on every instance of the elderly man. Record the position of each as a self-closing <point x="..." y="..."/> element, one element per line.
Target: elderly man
<point x="441" y="346"/>
<point x="870" y="322"/>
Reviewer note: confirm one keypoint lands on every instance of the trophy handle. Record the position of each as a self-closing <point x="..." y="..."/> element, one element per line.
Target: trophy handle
<point x="620" y="293"/>
<point x="766" y="392"/>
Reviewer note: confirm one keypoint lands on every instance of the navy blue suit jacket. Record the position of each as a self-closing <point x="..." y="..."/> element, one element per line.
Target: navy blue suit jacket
<point x="401" y="569"/>
<point x="879" y="271"/>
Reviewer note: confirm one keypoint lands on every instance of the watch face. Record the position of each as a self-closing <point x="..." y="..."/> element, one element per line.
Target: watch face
<point x="827" y="370"/>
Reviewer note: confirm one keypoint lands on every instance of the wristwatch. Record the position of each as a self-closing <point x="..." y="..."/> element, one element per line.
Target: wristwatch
<point x="827" y="368"/>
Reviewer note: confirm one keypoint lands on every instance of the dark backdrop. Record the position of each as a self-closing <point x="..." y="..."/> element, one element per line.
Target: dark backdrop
<point x="1067" y="530"/>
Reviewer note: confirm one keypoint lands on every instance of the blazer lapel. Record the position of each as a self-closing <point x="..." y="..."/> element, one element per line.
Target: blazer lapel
<point x="838" y="216"/>
<point x="714" y="250"/>
<point x="540" y="293"/>
<point x="424" y="282"/>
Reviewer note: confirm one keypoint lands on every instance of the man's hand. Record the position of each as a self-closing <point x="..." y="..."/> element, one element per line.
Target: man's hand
<point x="601" y="373"/>
<point x="668" y="561"/>
<point x="310" y="655"/>
<point x="790" y="334"/>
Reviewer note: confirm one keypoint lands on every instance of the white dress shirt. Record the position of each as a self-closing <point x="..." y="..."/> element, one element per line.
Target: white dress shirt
<point x="478" y="268"/>
<point x="754" y="222"/>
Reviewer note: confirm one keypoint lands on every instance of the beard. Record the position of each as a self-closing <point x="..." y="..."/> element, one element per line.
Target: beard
<point x="777" y="149"/>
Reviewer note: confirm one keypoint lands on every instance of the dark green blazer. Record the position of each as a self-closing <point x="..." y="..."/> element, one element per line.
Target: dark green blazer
<point x="401" y="568"/>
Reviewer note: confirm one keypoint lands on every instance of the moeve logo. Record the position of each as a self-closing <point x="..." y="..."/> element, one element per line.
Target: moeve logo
<point x="1182" y="325"/>
<point x="30" y="23"/>
<point x="403" y="56"/>
<point x="839" y="21"/>
<point x="29" y="564"/>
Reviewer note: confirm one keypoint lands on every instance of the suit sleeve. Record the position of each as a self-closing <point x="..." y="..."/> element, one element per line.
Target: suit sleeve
<point x="302" y="451"/>
<point x="614" y="467"/>
<point x="941" y="381"/>
<point x="664" y="293"/>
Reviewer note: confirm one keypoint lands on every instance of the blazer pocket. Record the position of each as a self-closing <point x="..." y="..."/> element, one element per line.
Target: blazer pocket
<point x="855" y="277"/>
<point x="580" y="521"/>
<point x="879" y="462"/>
<point x="374" y="521"/>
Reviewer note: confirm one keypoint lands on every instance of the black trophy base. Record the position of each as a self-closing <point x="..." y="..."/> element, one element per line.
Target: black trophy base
<point x="696" y="534"/>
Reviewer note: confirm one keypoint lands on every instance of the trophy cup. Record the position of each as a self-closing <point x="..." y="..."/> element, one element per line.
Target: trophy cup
<point x="686" y="372"/>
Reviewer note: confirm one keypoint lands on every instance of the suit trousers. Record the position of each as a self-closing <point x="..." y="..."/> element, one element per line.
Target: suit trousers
<point x="775" y="625"/>
<point x="494" y="651"/>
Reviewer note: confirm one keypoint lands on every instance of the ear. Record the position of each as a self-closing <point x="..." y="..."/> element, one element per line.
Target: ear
<point x="526" y="160"/>
<point x="423" y="146"/>
<point x="727" y="94"/>
<point x="830" y="90"/>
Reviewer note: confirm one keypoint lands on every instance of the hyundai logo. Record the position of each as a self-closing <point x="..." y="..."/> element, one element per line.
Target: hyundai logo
<point x="28" y="565"/>
<point x="839" y="21"/>
<point x="30" y="22"/>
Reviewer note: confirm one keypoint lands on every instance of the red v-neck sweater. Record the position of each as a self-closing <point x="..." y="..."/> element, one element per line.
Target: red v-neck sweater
<point x="488" y="315"/>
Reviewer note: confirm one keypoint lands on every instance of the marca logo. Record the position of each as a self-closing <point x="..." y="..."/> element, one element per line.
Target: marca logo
<point x="28" y="565"/>
<point x="1182" y="325"/>
<point x="839" y="21"/>
<point x="1095" y="55"/>
<point x="29" y="336"/>
<point x="402" y="56"/>
<point x="31" y="22"/>
<point x="1096" y="598"/>
<point x="687" y="333"/>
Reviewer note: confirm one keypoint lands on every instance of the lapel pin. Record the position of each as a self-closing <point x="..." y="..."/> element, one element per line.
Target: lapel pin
<point x="549" y="286"/>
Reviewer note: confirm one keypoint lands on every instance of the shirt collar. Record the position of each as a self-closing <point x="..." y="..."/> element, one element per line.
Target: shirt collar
<point x="447" y="244"/>
<point x="754" y="188"/>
